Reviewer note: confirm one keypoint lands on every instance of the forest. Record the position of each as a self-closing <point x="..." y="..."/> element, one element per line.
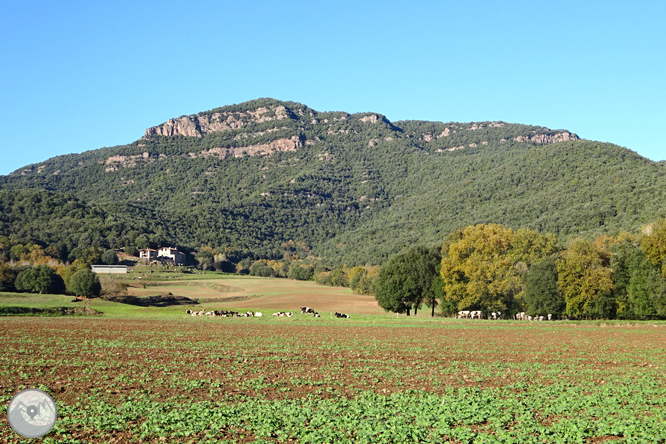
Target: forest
<point x="352" y="192"/>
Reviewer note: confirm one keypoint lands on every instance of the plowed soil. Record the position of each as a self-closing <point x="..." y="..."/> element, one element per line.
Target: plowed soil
<point x="225" y="358"/>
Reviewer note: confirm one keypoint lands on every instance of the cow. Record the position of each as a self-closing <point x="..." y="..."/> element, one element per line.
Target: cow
<point x="476" y="314"/>
<point x="341" y="315"/>
<point x="307" y="310"/>
<point x="258" y="314"/>
<point x="463" y="314"/>
<point x="550" y="316"/>
<point x="283" y="314"/>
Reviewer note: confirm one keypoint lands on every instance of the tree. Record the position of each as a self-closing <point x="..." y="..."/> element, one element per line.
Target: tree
<point x="300" y="273"/>
<point x="142" y="242"/>
<point x="584" y="275"/>
<point x="394" y="290"/>
<point x="7" y="277"/>
<point x="542" y="295"/>
<point x="224" y="266"/>
<point x="653" y="243"/>
<point x="362" y="281"/>
<point x="41" y="279"/>
<point x="109" y="257"/>
<point x="482" y="264"/>
<point x="407" y="280"/>
<point x="85" y="283"/>
<point x="645" y="287"/>
<point x="260" y="268"/>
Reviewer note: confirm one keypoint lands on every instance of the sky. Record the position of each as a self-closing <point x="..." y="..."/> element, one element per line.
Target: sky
<point x="81" y="75"/>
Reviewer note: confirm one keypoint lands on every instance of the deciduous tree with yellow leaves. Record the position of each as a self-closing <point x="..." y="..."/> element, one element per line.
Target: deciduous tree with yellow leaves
<point x="584" y="275"/>
<point x="482" y="264"/>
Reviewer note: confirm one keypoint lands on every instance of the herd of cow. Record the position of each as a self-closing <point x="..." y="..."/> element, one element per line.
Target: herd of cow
<point x="225" y="313"/>
<point x="522" y="316"/>
<point x="249" y="314"/>
<point x="465" y="314"/>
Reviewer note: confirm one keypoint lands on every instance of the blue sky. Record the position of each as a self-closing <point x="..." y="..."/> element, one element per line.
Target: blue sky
<point x="78" y="76"/>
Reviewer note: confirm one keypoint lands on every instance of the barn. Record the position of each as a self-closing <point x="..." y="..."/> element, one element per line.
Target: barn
<point x="114" y="269"/>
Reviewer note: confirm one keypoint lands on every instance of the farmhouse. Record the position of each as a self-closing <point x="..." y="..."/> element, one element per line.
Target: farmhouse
<point x="114" y="269"/>
<point x="148" y="254"/>
<point x="166" y="254"/>
<point x="171" y="254"/>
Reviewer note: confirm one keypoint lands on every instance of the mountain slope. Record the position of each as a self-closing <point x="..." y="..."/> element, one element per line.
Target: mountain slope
<point x="354" y="187"/>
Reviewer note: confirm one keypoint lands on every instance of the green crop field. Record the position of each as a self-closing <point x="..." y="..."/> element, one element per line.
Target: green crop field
<point x="155" y="374"/>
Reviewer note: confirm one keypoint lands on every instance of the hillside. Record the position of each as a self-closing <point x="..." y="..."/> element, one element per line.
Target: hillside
<point x="352" y="188"/>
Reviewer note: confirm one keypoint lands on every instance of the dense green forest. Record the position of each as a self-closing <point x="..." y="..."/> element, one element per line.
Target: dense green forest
<point x="348" y="189"/>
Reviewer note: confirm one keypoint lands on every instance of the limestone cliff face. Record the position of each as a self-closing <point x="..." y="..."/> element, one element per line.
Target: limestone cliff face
<point x="114" y="163"/>
<point x="280" y="145"/>
<point x="199" y="125"/>
<point x="548" y="138"/>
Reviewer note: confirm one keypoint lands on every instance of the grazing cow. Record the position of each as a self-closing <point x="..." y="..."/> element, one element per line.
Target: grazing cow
<point x="307" y="310"/>
<point x="522" y="316"/>
<point x="283" y="314"/>
<point x="550" y="316"/>
<point x="463" y="314"/>
<point x="496" y="315"/>
<point x="316" y="315"/>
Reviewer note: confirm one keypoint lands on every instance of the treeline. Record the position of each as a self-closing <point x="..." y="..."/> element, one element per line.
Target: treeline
<point x="359" y="279"/>
<point x="31" y="269"/>
<point x="493" y="268"/>
<point x="296" y="262"/>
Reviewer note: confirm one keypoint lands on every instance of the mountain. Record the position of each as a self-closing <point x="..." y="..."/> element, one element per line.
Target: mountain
<point x="351" y="188"/>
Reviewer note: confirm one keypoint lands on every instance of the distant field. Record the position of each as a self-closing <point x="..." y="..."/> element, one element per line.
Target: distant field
<point x="264" y="294"/>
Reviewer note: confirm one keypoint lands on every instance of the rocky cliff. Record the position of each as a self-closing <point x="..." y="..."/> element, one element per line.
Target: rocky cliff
<point x="201" y="124"/>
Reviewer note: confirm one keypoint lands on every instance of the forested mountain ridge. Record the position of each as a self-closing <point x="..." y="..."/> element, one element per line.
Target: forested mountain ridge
<point x="354" y="188"/>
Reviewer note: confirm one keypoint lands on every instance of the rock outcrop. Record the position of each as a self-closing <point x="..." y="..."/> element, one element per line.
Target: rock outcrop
<point x="548" y="138"/>
<point x="198" y="125"/>
<point x="280" y="145"/>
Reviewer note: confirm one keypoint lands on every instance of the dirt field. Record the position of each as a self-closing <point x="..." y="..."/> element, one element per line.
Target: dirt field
<point x="266" y="294"/>
<point x="510" y="379"/>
